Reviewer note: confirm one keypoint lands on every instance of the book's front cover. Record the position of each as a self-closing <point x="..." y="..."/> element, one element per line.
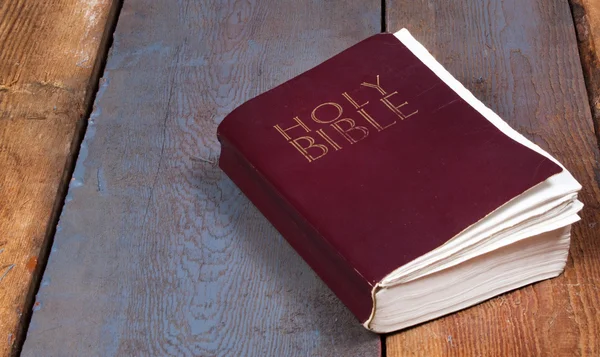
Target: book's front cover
<point x="380" y="156"/>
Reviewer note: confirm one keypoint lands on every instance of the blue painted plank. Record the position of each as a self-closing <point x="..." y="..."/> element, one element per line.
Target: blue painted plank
<point x="157" y="252"/>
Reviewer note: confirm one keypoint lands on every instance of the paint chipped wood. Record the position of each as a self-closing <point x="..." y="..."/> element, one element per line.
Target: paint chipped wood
<point x="520" y="58"/>
<point x="48" y="64"/>
<point x="157" y="252"/>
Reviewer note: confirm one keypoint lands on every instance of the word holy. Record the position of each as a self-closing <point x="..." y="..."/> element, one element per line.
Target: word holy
<point x="345" y="130"/>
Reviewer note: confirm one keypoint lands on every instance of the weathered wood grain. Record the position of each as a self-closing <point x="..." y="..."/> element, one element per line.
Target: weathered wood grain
<point x="520" y="58"/>
<point x="49" y="62"/>
<point x="157" y="252"/>
<point x="586" y="14"/>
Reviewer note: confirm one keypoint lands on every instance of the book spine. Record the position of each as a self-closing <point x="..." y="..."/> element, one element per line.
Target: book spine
<point x="347" y="284"/>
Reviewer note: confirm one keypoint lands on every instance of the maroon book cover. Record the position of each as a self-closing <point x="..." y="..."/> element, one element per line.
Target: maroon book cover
<point x="369" y="161"/>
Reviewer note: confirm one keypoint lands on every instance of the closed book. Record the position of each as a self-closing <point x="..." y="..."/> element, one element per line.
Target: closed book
<point x="406" y="195"/>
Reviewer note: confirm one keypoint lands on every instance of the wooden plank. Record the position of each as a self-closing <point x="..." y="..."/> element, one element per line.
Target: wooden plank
<point x="157" y="252"/>
<point x="49" y="63"/>
<point x="520" y="58"/>
<point x="586" y="14"/>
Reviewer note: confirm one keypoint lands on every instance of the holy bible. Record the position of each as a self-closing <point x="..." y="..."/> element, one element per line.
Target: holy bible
<point x="406" y="195"/>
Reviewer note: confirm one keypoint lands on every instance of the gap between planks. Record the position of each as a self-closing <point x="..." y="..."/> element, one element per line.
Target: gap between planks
<point x="586" y="20"/>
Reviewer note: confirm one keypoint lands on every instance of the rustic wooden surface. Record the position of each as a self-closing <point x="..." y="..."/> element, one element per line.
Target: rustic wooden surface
<point x="48" y="64"/>
<point x="586" y="14"/>
<point x="157" y="252"/>
<point x="520" y="58"/>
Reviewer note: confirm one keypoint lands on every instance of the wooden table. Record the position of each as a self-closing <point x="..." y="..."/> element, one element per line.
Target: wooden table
<point x="158" y="253"/>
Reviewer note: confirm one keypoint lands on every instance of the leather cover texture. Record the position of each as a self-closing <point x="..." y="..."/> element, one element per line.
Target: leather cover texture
<point x="369" y="161"/>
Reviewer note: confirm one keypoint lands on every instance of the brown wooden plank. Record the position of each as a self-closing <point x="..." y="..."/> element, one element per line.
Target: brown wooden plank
<point x="157" y="252"/>
<point x="49" y="60"/>
<point x="520" y="58"/>
<point x="586" y="14"/>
